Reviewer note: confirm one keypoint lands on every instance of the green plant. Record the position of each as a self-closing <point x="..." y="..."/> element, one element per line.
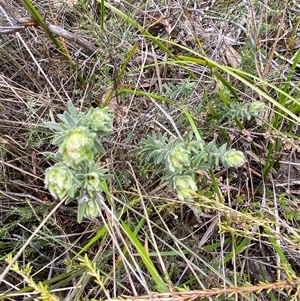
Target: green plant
<point x="76" y="174"/>
<point x="243" y="111"/>
<point x="178" y="160"/>
<point x="183" y="89"/>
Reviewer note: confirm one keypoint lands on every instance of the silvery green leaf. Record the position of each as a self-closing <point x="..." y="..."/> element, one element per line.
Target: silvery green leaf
<point x="68" y="201"/>
<point x="222" y="149"/>
<point x="99" y="147"/>
<point x="154" y="155"/>
<point x="106" y="176"/>
<point x="71" y="191"/>
<point x="84" y="117"/>
<point x="103" y="133"/>
<point x="58" y="140"/>
<point x="69" y="120"/>
<point x="211" y="146"/>
<point x="201" y="157"/>
<point x="192" y="149"/>
<point x="62" y="118"/>
<point x="55" y="126"/>
<point x="204" y="166"/>
<point x="101" y="171"/>
<point x="49" y="154"/>
<point x="72" y="110"/>
<point x="160" y="157"/>
<point x="81" y="211"/>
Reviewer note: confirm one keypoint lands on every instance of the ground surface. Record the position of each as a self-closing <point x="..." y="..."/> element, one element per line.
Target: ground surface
<point x="138" y="65"/>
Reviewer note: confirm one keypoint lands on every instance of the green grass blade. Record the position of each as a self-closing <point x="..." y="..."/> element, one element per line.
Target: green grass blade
<point x="277" y="248"/>
<point x="161" y="286"/>
<point x="192" y="123"/>
<point x="102" y="14"/>
<point x="121" y="73"/>
<point x="290" y="76"/>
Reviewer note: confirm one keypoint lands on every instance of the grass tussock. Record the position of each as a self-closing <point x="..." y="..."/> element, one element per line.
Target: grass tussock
<point x="195" y="181"/>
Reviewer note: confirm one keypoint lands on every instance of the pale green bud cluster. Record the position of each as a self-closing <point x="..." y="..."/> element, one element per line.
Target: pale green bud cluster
<point x="257" y="108"/>
<point x="59" y="181"/>
<point x="178" y="159"/>
<point x="90" y="206"/>
<point x="100" y="119"/>
<point x="233" y="158"/>
<point x="89" y="209"/>
<point x="78" y="146"/>
<point x="243" y="111"/>
<point x="185" y="187"/>
<point x="93" y="183"/>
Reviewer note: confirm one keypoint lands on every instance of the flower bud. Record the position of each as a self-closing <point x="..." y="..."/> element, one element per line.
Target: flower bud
<point x="59" y="181"/>
<point x="93" y="180"/>
<point x="92" y="183"/>
<point x="185" y="187"/>
<point x="178" y="159"/>
<point x="91" y="209"/>
<point x="233" y="158"/>
<point x="257" y="108"/>
<point x="100" y="119"/>
<point x="78" y="146"/>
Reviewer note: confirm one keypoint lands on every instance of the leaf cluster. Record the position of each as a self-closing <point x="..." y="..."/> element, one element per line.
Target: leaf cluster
<point x="243" y="111"/>
<point x="157" y="148"/>
<point x="178" y="160"/>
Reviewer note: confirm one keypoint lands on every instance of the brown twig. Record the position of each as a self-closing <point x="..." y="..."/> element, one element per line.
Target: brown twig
<point x="72" y="37"/>
<point x="24" y="22"/>
<point x="11" y="29"/>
